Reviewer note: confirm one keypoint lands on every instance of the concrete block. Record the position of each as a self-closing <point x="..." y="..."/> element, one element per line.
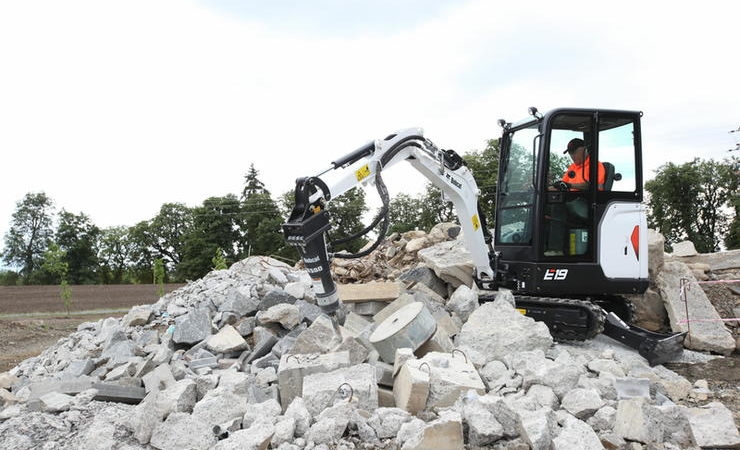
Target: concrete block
<point x="411" y="388"/>
<point x="403" y="354"/>
<point x="373" y="291"/>
<point x="439" y="342"/>
<point x="410" y="326"/>
<point x="369" y="308"/>
<point x="287" y="315"/>
<point x="77" y="369"/>
<point x="159" y="378"/>
<point x="320" y="337"/>
<point x="356" y="324"/>
<point x="451" y="376"/>
<point x="294" y="368"/>
<point x="192" y="327"/>
<point x="384" y="373"/>
<point x="713" y="426"/>
<point x="180" y="431"/>
<point x="708" y="333"/>
<point x="445" y="432"/>
<point x="426" y="277"/>
<point x="386" y="398"/>
<point x="358" y="353"/>
<point x="637" y="420"/>
<point x="576" y="435"/>
<point x="226" y="340"/>
<point x="276" y="297"/>
<point x="55" y="402"/>
<point x="137" y="316"/>
<point x="392" y="307"/>
<point x="203" y="362"/>
<point x="582" y="403"/>
<point x="321" y="390"/>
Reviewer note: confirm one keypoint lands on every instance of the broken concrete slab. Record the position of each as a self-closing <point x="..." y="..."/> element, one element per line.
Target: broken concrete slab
<point x="582" y="403"/>
<point x="637" y="420"/>
<point x="321" y="337"/>
<point x="426" y="277"/>
<point x="287" y="315"/>
<point x="496" y="329"/>
<point x="373" y="291"/>
<point x="181" y="430"/>
<point x="445" y="432"/>
<point x="137" y="316"/>
<point x="451" y="375"/>
<point x="713" y="426"/>
<point x="450" y="261"/>
<point x="576" y="435"/>
<point x="706" y="330"/>
<point x="684" y="248"/>
<point x="227" y="340"/>
<point x="193" y="327"/>
<point x="275" y="297"/>
<point x="322" y="390"/>
<point x="463" y="302"/>
<point x="294" y="368"/>
<point x="159" y="379"/>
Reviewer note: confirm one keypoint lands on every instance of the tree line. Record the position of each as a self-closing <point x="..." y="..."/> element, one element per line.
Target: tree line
<point x="697" y="200"/>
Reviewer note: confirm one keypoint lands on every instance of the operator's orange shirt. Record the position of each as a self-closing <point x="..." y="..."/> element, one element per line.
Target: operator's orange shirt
<point x="579" y="173"/>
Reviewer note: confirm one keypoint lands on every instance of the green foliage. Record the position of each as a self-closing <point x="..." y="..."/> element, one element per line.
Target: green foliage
<point x="166" y="232"/>
<point x="219" y="260"/>
<point x="66" y="294"/>
<point x="262" y="222"/>
<point x="77" y="236"/>
<point x="115" y="248"/>
<point x="30" y="233"/>
<point x="689" y="202"/>
<point x="346" y="217"/>
<point x="404" y="212"/>
<point x="484" y="166"/>
<point x="9" y="278"/>
<point x="252" y="184"/>
<point x="55" y="265"/>
<point x="158" y="275"/>
<point x="141" y="253"/>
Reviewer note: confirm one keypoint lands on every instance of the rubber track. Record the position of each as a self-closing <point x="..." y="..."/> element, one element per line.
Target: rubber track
<point x="594" y="313"/>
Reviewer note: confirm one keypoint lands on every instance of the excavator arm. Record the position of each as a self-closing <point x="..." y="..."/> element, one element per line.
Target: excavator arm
<point x="309" y="222"/>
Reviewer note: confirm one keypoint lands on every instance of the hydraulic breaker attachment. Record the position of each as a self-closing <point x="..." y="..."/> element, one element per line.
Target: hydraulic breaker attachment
<point x="657" y="348"/>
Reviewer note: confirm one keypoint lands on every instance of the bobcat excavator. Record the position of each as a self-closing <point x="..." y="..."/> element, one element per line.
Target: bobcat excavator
<point x="568" y="255"/>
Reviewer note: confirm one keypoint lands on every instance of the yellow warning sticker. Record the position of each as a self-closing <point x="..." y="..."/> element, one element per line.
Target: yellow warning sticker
<point x="476" y="222"/>
<point x="363" y="172"/>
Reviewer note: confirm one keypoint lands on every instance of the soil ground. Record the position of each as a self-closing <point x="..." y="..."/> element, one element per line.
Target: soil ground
<point x="33" y="318"/>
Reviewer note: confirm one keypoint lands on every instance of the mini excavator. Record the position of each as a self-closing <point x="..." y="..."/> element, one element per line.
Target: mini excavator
<point x="568" y="255"/>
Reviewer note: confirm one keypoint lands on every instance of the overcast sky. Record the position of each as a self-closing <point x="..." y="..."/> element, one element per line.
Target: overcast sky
<point x="113" y="108"/>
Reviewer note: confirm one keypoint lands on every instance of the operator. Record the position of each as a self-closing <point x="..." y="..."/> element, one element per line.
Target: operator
<point x="577" y="176"/>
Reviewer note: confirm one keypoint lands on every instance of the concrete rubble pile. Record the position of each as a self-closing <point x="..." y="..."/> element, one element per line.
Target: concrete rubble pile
<point x="244" y="359"/>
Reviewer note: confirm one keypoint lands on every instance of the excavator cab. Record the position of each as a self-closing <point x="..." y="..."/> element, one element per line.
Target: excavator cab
<point x="571" y="230"/>
<point x="559" y="230"/>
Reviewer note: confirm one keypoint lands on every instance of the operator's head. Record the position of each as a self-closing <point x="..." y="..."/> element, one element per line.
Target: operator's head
<point x="577" y="150"/>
